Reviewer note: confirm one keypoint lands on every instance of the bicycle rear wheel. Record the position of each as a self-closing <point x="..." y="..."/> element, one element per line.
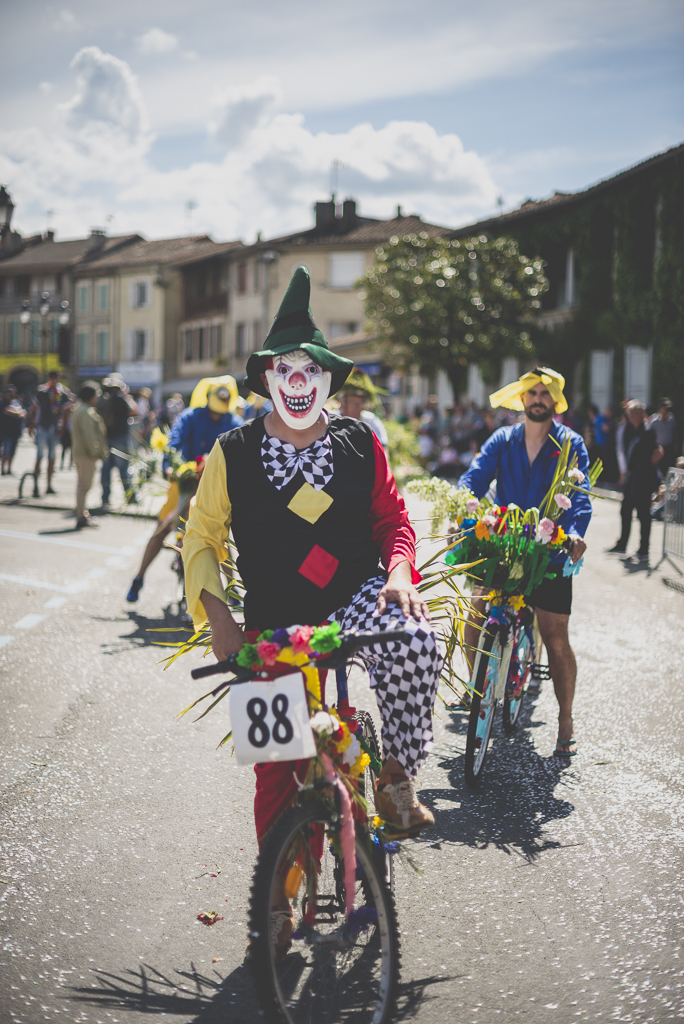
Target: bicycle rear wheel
<point x="483" y="707"/>
<point x="333" y="971"/>
<point x="512" y="705"/>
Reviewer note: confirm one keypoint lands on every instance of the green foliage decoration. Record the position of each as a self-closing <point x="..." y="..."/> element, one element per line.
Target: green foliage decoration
<point x="440" y="304"/>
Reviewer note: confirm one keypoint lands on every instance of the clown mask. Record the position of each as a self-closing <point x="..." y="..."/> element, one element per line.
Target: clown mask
<point x="299" y="388"/>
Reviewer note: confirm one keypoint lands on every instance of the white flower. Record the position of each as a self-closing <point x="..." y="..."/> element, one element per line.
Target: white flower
<point x="562" y="501"/>
<point x="472" y="504"/>
<point x="323" y="723"/>
<point x="352" y="753"/>
<point x="512" y="504"/>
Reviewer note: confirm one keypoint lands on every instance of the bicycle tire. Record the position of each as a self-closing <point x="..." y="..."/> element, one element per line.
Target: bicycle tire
<point x="481" y="720"/>
<point x="369" y="778"/>
<point x="512" y="706"/>
<point x="330" y="973"/>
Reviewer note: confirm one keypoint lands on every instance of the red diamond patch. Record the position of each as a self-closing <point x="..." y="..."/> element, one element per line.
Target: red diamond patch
<point x="319" y="566"/>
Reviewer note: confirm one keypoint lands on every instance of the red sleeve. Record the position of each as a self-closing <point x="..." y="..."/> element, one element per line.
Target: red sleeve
<point x="392" y="531"/>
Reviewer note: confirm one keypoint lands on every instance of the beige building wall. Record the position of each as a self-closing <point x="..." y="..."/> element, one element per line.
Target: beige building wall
<point x="336" y="308"/>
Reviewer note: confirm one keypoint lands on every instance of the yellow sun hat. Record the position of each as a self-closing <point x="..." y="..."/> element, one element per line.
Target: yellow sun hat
<point x="511" y="396"/>
<point x="200" y="395"/>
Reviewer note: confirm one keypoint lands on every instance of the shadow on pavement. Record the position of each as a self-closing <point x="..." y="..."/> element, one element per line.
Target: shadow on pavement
<point x="172" y="629"/>
<point x="515" y="800"/>
<point x="204" y="999"/>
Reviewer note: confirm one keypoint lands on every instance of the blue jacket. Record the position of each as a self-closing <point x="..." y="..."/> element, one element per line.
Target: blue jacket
<point x="504" y="458"/>
<point x="194" y="433"/>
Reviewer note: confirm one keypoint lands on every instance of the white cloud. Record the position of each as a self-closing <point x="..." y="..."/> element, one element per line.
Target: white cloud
<point x="46" y="87"/>
<point x="66" y="21"/>
<point x="157" y="41"/>
<point x="270" y="172"/>
<point x="239" y="112"/>
<point x="107" y="94"/>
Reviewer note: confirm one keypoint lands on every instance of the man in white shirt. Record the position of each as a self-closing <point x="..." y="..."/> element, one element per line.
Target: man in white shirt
<point x="358" y="390"/>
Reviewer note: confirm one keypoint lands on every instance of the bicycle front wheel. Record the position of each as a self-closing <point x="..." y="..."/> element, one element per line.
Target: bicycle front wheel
<point x="483" y="707"/>
<point x="517" y="688"/>
<point x="330" y="970"/>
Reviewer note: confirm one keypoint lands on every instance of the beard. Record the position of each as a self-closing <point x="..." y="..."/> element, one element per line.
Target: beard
<point x="538" y="413"/>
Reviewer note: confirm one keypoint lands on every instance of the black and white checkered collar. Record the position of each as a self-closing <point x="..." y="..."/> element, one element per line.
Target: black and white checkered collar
<point x="282" y="461"/>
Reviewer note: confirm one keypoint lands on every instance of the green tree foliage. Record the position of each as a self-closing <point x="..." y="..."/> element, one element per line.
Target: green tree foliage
<point x="442" y="305"/>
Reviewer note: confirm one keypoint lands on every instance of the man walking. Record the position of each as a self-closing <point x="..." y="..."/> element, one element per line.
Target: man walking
<point x="522" y="458"/>
<point x="116" y="407"/>
<point x="664" y="426"/>
<point x="46" y="422"/>
<point x="642" y="454"/>
<point x="89" y="443"/>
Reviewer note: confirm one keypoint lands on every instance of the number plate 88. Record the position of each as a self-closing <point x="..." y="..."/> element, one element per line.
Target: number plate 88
<point x="270" y="720"/>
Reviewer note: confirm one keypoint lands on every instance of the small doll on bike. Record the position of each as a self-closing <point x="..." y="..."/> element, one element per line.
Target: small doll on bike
<point x="322" y="534"/>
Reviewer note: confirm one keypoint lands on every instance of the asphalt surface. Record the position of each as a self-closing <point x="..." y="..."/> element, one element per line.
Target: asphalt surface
<point x="552" y="895"/>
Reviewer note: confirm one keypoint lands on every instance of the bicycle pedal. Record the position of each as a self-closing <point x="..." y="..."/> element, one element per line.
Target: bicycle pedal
<point x="540" y="673"/>
<point x="389" y="833"/>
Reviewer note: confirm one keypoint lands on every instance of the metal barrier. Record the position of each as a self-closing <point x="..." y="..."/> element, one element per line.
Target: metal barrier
<point x="673" y="514"/>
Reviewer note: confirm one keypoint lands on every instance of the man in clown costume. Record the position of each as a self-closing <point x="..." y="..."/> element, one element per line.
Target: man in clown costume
<point x="522" y="460"/>
<point x="314" y="510"/>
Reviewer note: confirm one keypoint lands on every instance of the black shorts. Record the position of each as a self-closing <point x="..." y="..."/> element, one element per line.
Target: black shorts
<point x="553" y="595"/>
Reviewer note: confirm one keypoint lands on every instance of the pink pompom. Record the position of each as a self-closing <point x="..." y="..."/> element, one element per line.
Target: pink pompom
<point x="268" y="652"/>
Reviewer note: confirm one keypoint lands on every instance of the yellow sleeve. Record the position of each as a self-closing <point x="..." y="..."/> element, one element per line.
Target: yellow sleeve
<point x="204" y="544"/>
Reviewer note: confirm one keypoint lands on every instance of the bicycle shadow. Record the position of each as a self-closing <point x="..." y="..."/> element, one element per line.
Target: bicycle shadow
<point x="515" y="801"/>
<point x="200" y="998"/>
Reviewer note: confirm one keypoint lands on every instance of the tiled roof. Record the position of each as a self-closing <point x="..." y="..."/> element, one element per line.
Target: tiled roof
<point x="364" y="232"/>
<point x="205" y="251"/>
<point x="49" y="253"/>
<point x="534" y="206"/>
<point x="162" y="250"/>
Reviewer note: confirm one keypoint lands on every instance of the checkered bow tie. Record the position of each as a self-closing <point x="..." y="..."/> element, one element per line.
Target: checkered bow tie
<point x="282" y="461"/>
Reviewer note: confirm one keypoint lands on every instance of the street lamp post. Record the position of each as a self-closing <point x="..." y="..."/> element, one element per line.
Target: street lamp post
<point x="44" y="310"/>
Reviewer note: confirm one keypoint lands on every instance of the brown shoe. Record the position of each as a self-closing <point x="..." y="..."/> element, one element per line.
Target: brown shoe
<point x="282" y="927"/>
<point x="397" y="804"/>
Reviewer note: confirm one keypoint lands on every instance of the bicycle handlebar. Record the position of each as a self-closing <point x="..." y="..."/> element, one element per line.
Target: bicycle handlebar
<point x="336" y="659"/>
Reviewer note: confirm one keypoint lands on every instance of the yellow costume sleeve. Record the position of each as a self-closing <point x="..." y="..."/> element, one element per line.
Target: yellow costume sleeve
<point x="204" y="544"/>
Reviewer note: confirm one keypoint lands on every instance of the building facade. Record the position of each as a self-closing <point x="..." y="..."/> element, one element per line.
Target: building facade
<point x="613" y="318"/>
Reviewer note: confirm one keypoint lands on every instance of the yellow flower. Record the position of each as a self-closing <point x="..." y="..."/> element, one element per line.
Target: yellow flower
<point x="313" y="683"/>
<point x="158" y="440"/>
<point x="481" y="530"/>
<point x="517" y="602"/>
<point x="562" y="536"/>
<point x="187" y="467"/>
<point x="359" y="766"/>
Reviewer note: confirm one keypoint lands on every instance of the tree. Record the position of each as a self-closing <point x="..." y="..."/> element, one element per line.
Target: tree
<point x="440" y="304"/>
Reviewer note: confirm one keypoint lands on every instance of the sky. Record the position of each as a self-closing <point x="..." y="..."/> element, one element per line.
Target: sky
<point x="231" y="117"/>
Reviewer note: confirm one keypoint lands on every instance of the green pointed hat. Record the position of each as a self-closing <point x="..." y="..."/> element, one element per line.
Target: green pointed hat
<point x="294" y="327"/>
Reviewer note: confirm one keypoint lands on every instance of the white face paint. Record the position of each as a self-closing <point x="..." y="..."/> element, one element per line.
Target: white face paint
<point x="299" y="388"/>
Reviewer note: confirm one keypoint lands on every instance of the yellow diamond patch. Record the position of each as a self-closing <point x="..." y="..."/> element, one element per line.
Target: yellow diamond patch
<point x="310" y="504"/>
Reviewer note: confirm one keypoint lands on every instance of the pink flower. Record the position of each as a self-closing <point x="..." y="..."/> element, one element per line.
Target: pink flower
<point x="562" y="501"/>
<point x="268" y="652"/>
<point x="545" y="532"/>
<point x="472" y="505"/>
<point x="300" y="640"/>
<point x="576" y="474"/>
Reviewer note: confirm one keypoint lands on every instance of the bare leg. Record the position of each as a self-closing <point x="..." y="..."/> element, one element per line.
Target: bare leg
<point x="472" y="632"/>
<point x="154" y="546"/>
<point x="562" y="665"/>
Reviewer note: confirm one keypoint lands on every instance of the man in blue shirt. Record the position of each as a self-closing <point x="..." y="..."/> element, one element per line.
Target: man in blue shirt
<point x="522" y="460"/>
<point x="193" y="434"/>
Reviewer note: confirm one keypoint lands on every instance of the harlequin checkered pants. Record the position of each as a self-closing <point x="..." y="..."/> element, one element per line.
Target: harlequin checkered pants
<point x="404" y="675"/>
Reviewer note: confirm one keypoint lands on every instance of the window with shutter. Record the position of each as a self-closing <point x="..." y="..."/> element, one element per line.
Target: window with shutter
<point x="103" y="346"/>
<point x="14" y="336"/>
<point x="241" y="340"/>
<point x="344" y="268"/>
<point x="82" y="346"/>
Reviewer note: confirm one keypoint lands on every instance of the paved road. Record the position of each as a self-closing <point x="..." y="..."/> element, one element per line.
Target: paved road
<point x="553" y="895"/>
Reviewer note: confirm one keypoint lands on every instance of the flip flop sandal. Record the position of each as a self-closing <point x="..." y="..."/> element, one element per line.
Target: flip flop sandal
<point x="566" y="753"/>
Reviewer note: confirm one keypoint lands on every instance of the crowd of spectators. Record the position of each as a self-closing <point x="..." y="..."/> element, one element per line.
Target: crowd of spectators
<point x="449" y="439"/>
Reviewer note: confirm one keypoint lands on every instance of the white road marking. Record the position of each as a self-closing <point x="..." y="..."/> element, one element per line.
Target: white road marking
<point x="66" y="543"/>
<point x="95" y="574"/>
<point x="29" y="621"/>
<point x="55" y="602"/>
<point x="70" y="588"/>
<point x="5" y="640"/>
<point x="114" y="562"/>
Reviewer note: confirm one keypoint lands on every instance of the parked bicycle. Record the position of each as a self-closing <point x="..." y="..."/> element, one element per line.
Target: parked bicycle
<point x="341" y="962"/>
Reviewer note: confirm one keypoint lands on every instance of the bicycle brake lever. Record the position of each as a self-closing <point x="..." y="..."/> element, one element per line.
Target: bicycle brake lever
<point x="227" y="665"/>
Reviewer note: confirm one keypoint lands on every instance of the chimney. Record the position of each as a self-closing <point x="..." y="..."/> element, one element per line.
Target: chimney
<point x="50" y="235"/>
<point x="349" y="217"/>
<point x="96" y="241"/>
<point x="399" y="213"/>
<point x="325" y="216"/>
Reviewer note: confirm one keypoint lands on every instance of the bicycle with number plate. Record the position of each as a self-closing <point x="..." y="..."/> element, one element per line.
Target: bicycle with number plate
<point x="340" y="965"/>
